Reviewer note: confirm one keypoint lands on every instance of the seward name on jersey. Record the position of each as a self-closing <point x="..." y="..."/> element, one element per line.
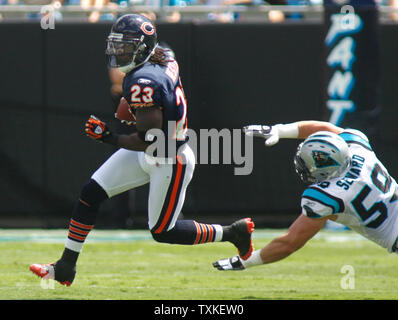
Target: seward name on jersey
<point x="351" y="176"/>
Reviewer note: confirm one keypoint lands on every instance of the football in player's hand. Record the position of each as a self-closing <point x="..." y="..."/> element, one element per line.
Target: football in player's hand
<point x="123" y="112"/>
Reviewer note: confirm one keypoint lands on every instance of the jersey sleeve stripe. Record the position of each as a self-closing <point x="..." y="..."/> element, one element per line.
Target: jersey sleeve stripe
<point x="324" y="198"/>
<point x="353" y="138"/>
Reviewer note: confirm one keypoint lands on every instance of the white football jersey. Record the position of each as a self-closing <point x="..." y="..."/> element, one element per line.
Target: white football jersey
<point x="365" y="199"/>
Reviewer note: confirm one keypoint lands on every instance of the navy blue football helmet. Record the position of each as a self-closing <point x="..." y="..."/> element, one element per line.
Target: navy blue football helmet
<point x="131" y="42"/>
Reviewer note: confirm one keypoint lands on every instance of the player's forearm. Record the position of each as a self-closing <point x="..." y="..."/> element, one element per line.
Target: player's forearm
<point x="293" y="130"/>
<point x="299" y="233"/>
<point x="306" y="128"/>
<point x="276" y="250"/>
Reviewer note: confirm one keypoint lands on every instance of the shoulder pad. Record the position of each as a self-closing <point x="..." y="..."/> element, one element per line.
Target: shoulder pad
<point x="357" y="132"/>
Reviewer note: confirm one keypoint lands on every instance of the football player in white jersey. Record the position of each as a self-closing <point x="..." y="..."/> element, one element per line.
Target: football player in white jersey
<point x="347" y="184"/>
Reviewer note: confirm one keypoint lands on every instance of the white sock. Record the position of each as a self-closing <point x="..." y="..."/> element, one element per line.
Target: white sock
<point x="74" y="245"/>
<point x="219" y="232"/>
<point x="254" y="260"/>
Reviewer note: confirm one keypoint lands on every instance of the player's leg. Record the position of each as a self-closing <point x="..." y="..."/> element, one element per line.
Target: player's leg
<point x="167" y="194"/>
<point x="121" y="172"/>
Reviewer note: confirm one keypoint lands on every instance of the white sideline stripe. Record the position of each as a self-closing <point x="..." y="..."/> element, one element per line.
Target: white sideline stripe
<point x="59" y="236"/>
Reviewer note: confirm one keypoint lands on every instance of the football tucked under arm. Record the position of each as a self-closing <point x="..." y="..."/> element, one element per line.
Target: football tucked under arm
<point x="124" y="113"/>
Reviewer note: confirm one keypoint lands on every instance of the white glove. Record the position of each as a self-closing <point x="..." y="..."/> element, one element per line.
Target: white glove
<point x="270" y="134"/>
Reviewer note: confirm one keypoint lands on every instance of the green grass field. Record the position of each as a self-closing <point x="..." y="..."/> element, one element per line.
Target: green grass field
<point x="129" y="265"/>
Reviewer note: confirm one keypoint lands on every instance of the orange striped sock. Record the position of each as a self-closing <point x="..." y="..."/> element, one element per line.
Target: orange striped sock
<point x="77" y="235"/>
<point x="207" y="233"/>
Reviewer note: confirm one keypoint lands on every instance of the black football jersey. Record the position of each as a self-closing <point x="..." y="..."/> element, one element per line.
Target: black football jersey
<point x="155" y="85"/>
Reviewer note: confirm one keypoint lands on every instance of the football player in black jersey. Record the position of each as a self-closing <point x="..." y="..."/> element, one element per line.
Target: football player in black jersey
<point x="153" y="89"/>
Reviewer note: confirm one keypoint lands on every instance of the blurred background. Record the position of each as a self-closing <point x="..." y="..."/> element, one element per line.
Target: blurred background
<point x="241" y="62"/>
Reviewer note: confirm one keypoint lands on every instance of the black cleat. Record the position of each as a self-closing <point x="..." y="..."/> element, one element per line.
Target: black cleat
<point x="241" y="232"/>
<point x="233" y="263"/>
<point x="58" y="271"/>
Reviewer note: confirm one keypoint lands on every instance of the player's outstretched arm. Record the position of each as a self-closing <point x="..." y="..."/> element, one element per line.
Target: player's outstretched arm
<point x="306" y="128"/>
<point x="302" y="230"/>
<point x="294" y="130"/>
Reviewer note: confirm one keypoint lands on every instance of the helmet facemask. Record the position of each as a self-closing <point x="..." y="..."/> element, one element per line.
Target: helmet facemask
<point x="127" y="55"/>
<point x="301" y="168"/>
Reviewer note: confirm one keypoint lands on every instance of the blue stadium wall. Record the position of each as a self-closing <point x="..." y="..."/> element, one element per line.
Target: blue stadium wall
<point x="233" y="75"/>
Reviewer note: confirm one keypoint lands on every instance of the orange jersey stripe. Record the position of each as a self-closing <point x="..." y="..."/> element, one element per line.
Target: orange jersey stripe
<point x="173" y="196"/>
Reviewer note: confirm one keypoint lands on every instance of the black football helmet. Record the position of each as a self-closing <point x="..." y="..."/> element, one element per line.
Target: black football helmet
<point x="131" y="42"/>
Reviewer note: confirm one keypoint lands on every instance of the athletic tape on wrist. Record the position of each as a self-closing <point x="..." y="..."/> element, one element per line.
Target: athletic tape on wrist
<point x="288" y="131"/>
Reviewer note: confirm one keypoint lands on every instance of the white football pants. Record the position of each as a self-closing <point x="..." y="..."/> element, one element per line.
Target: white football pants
<point x="127" y="169"/>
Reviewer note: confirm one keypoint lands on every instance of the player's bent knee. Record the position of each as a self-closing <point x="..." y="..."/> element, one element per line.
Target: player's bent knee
<point x="92" y="194"/>
<point x="164" y="237"/>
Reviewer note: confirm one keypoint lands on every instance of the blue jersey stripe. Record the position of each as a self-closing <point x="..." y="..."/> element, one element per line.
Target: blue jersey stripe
<point x="321" y="196"/>
<point x="353" y="138"/>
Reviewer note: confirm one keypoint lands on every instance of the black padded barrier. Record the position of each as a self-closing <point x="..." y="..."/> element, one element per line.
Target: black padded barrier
<point x="233" y="75"/>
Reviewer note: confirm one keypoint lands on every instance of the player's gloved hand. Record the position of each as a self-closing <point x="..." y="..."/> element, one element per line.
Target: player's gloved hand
<point x="269" y="133"/>
<point x="234" y="263"/>
<point x="99" y="131"/>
